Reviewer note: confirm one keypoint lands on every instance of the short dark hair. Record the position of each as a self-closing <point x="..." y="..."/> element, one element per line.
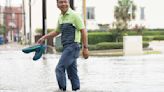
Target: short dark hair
<point x="58" y="0"/>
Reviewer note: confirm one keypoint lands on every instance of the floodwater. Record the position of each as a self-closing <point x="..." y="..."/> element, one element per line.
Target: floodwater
<point x="19" y="73"/>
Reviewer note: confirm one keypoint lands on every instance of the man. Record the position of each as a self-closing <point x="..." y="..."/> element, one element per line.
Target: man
<point x="72" y="29"/>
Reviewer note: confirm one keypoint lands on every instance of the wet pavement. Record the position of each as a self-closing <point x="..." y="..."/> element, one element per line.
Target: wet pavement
<point x="19" y="73"/>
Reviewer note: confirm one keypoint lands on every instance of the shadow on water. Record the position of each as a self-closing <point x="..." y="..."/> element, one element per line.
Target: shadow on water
<point x="19" y="73"/>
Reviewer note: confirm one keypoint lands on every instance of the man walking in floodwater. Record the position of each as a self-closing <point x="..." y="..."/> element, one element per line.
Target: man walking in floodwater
<point x="72" y="29"/>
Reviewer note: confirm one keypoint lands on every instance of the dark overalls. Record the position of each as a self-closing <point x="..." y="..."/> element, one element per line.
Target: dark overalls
<point x="67" y="62"/>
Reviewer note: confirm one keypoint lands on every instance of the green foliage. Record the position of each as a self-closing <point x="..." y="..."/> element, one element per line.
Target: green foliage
<point x="39" y="31"/>
<point x="155" y="29"/>
<point x="97" y="37"/>
<point x="148" y="38"/>
<point x="117" y="35"/>
<point x="106" y="45"/>
<point x="2" y="29"/>
<point x="123" y="13"/>
<point x="155" y="32"/>
<point x="104" y="40"/>
<point x="159" y="37"/>
<point x="111" y="45"/>
<point x="99" y="40"/>
<point x="145" y="44"/>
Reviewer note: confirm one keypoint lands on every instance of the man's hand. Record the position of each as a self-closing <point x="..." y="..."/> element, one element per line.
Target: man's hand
<point x="43" y="38"/>
<point x="85" y="53"/>
<point x="40" y="41"/>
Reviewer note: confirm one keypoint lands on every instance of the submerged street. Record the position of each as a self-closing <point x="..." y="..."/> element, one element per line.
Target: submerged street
<point x="124" y="40"/>
<point x="19" y="73"/>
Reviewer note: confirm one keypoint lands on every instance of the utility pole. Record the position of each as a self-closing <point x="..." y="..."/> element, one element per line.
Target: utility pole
<point x="24" y="20"/>
<point x="44" y="18"/>
<point x="9" y="10"/>
<point x="84" y="11"/>
<point x="72" y="4"/>
<point x="30" y="33"/>
<point x="0" y="16"/>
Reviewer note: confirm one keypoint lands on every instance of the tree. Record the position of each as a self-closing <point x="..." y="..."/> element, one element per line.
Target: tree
<point x="124" y="12"/>
<point x="2" y="29"/>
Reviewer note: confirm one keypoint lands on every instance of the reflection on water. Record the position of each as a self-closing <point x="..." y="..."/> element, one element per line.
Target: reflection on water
<point x="19" y="73"/>
<point x="126" y="74"/>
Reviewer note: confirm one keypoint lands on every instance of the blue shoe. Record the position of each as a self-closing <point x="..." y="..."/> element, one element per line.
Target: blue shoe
<point x="30" y="49"/>
<point x="39" y="52"/>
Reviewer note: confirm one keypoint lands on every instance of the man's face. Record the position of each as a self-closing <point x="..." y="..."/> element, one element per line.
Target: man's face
<point x="63" y="5"/>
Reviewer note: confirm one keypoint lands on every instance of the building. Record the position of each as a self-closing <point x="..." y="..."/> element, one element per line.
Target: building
<point x="99" y="12"/>
<point x="148" y="13"/>
<point x="0" y="16"/>
<point x="12" y="19"/>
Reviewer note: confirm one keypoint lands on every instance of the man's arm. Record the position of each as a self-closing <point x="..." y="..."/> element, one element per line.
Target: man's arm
<point x="51" y="34"/>
<point x="84" y="36"/>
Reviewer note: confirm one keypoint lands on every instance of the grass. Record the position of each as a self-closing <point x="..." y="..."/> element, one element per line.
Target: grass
<point x="152" y="52"/>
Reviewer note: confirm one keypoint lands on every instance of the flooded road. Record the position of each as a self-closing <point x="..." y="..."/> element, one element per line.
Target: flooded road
<point x="19" y="73"/>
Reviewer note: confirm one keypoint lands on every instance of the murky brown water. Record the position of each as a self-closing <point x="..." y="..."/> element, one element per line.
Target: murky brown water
<point x="19" y="73"/>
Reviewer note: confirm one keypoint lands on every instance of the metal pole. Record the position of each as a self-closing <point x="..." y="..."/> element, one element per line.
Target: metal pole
<point x="4" y="22"/>
<point x="84" y="11"/>
<point x="0" y="16"/>
<point x="24" y="21"/>
<point x="44" y="20"/>
<point x="17" y="28"/>
<point x="30" y="33"/>
<point x="44" y="16"/>
<point x="72" y="4"/>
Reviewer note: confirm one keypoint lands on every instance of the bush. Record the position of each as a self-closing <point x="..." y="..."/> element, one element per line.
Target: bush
<point x="145" y="44"/>
<point x="159" y="37"/>
<point x="97" y="37"/>
<point x="148" y="38"/>
<point x="2" y="30"/>
<point x="106" y="45"/>
<point x="39" y="31"/>
<point x="151" y="33"/>
<point x="111" y="45"/>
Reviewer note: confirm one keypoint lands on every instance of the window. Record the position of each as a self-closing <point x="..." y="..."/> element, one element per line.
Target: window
<point x="142" y="14"/>
<point x="90" y="13"/>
